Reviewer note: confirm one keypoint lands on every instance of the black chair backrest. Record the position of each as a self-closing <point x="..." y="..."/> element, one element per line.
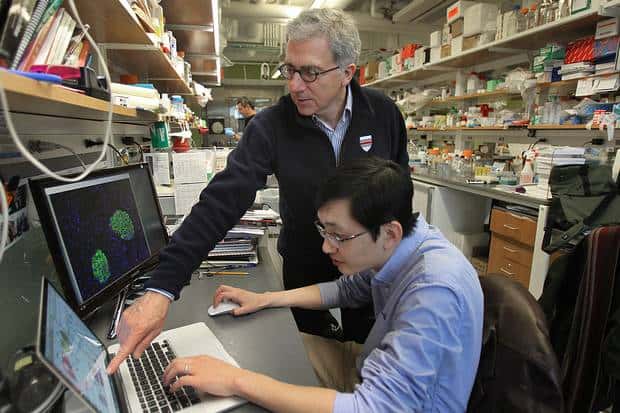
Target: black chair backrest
<point x="518" y="370"/>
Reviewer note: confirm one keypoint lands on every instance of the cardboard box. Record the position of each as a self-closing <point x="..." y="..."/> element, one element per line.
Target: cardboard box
<point x="446" y="51"/>
<point x="471" y="41"/>
<point x="456" y="45"/>
<point x="372" y="69"/>
<point x="457" y="10"/>
<point x="606" y="48"/>
<point x="436" y="54"/>
<point x="607" y="28"/>
<point x="456" y="28"/>
<point x="436" y="38"/>
<point x="481" y="17"/>
<point x="581" y="50"/>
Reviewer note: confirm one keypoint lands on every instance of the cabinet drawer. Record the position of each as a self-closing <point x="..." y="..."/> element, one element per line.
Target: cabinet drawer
<point x="517" y="227"/>
<point x="511" y="269"/>
<point x="511" y="251"/>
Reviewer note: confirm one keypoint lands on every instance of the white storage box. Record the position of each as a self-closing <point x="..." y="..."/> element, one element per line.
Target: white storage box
<point x="456" y="45"/>
<point x="606" y="28"/>
<point x="435" y="54"/>
<point x="481" y="17"/>
<point x="457" y="10"/>
<point x="436" y="38"/>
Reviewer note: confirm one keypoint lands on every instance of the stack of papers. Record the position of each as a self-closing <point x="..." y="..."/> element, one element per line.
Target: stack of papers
<point x="556" y="156"/>
<point x="261" y="218"/>
<point x="576" y="70"/>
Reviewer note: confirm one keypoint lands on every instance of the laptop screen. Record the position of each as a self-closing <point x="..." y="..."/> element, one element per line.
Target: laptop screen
<point x="100" y="230"/>
<point x="74" y="353"/>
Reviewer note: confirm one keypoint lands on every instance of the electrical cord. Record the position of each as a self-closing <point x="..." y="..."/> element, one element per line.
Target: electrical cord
<point x="79" y="158"/>
<point x="5" y="220"/>
<point x="120" y="155"/>
<point x="40" y="146"/>
<point x="140" y="150"/>
<point x="108" y="129"/>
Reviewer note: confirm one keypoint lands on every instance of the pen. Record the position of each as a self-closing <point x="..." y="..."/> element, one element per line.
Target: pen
<point x="209" y="274"/>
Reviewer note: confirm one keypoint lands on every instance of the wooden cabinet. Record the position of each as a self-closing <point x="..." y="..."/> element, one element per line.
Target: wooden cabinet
<point x="512" y="242"/>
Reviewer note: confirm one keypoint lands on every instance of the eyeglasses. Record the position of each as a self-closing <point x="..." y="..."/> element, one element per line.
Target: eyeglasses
<point x="307" y="74"/>
<point x="334" y="239"/>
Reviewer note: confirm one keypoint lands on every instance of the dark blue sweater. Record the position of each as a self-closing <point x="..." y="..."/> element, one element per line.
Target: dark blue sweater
<point x="282" y="142"/>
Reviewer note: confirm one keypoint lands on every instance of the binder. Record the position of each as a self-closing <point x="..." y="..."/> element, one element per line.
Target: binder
<point x="29" y="33"/>
<point x="15" y="25"/>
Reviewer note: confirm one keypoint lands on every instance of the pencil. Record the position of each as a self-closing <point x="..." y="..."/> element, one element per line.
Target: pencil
<point x="228" y="273"/>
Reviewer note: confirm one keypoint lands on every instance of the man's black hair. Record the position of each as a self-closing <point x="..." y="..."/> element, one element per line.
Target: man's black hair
<point x="244" y="101"/>
<point x="379" y="191"/>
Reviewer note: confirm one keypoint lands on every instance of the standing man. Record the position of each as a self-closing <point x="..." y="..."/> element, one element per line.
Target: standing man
<point x="246" y="108"/>
<point x="326" y="119"/>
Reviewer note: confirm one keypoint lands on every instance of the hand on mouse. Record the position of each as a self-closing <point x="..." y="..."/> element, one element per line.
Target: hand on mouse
<point x="249" y="301"/>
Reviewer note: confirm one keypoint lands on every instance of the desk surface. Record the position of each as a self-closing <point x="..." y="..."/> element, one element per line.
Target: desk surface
<point x="266" y="342"/>
<point x="492" y="191"/>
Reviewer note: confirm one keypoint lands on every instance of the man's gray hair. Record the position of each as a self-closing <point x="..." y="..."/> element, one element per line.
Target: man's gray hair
<point x="332" y="24"/>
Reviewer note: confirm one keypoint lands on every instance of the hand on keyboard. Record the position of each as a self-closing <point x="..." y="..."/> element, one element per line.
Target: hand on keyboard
<point x="204" y="373"/>
<point x="140" y="324"/>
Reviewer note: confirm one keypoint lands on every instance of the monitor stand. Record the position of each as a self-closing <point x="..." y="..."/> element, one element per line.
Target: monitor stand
<point x="118" y="311"/>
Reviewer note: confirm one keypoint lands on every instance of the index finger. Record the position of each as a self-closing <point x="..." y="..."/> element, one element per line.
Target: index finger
<point x="124" y="351"/>
<point x="117" y="360"/>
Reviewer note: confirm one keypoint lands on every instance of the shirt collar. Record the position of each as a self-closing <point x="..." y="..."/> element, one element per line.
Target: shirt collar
<point x="407" y="248"/>
<point x="348" y="110"/>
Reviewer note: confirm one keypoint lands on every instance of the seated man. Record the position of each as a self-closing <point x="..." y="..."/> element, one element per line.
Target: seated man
<point x="423" y="350"/>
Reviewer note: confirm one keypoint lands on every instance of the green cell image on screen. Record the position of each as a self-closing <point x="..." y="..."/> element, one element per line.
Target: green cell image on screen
<point x="101" y="268"/>
<point x="122" y="225"/>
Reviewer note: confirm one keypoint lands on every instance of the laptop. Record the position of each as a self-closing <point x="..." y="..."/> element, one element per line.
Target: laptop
<point x="78" y="358"/>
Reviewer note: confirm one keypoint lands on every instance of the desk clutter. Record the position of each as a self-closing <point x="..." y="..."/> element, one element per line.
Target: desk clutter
<point x="238" y="249"/>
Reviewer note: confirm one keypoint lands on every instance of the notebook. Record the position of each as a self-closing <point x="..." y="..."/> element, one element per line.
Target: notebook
<point x="78" y="358"/>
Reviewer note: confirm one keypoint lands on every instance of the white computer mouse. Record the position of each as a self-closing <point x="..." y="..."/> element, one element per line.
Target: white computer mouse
<point x="225" y="307"/>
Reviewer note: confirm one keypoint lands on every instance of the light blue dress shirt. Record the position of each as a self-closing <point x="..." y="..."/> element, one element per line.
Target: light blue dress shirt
<point x="423" y="350"/>
<point x="336" y="136"/>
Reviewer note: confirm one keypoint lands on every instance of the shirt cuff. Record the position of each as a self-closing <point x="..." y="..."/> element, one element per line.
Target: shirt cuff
<point x="330" y="294"/>
<point x="344" y="403"/>
<point x="162" y="292"/>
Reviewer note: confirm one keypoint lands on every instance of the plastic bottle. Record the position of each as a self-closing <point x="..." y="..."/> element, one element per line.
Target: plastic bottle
<point x="532" y="17"/>
<point x="527" y="173"/>
<point x="178" y="109"/>
<point x="522" y="20"/>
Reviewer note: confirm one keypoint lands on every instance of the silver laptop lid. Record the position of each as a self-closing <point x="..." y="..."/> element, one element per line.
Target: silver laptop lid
<point x="74" y="353"/>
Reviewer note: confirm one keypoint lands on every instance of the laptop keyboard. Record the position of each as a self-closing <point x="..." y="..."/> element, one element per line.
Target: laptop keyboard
<point x="146" y="373"/>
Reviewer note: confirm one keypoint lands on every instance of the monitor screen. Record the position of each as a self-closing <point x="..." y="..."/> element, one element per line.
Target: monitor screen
<point x="74" y="353"/>
<point x="100" y="230"/>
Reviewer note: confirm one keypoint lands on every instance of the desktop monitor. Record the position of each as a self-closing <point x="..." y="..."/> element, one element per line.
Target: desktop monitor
<point x="102" y="231"/>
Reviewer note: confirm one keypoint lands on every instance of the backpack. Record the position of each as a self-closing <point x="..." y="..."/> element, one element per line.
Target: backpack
<point x="583" y="197"/>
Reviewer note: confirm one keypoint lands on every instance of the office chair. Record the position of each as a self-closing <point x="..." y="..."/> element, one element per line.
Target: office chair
<point x="518" y="370"/>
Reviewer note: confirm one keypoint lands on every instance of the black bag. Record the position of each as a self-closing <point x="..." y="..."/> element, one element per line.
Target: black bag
<point x="583" y="197"/>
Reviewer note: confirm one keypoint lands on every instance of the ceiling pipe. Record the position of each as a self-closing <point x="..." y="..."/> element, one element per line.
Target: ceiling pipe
<point x="275" y="13"/>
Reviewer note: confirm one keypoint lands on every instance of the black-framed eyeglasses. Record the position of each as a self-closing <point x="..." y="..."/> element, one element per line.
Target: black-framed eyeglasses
<point x="307" y="74"/>
<point x="334" y="239"/>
